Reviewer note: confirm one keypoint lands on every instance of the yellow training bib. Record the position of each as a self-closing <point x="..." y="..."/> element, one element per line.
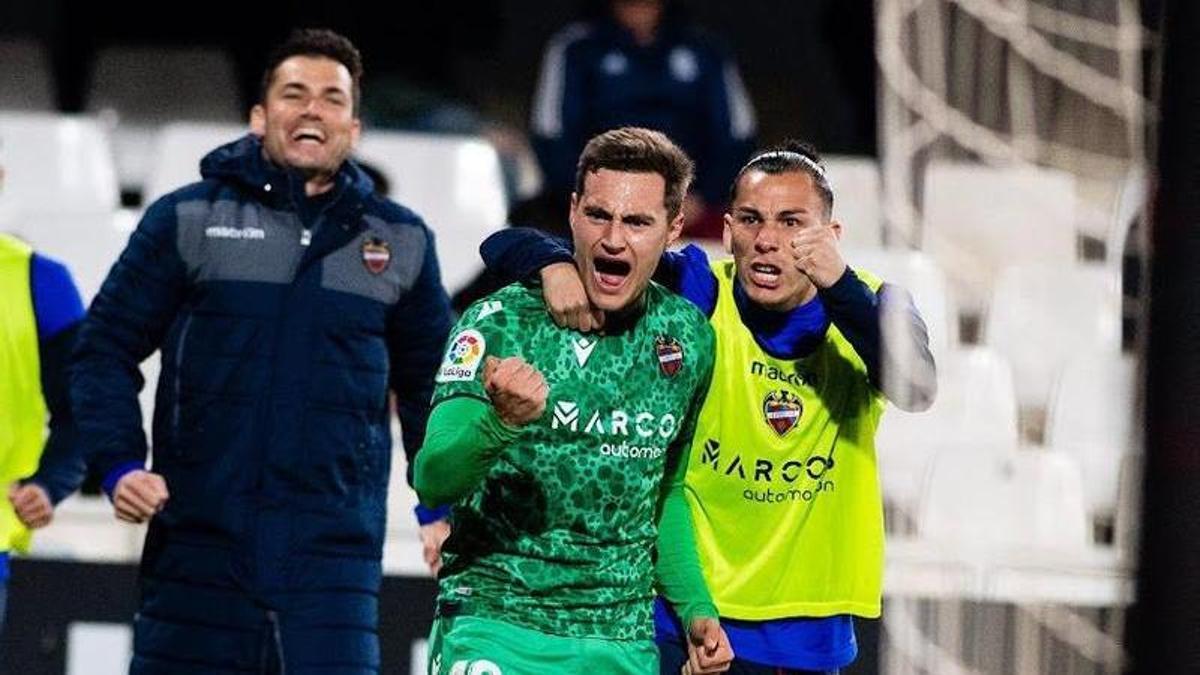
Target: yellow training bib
<point x="22" y="408"/>
<point x="782" y="478"/>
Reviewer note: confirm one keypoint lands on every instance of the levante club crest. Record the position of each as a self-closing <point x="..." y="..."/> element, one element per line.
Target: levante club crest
<point x="376" y="254"/>
<point x="781" y="410"/>
<point x="669" y="353"/>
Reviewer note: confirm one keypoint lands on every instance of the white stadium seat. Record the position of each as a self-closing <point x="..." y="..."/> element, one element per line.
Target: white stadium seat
<point x="178" y="150"/>
<point x="87" y="243"/>
<point x="1131" y="203"/>
<point x="1091" y="416"/>
<point x="856" y="199"/>
<point x="454" y="182"/>
<point x="59" y="163"/>
<point x="1128" y="519"/>
<point x="975" y="407"/>
<point x="84" y="529"/>
<point x="1041" y="316"/>
<point x="920" y="275"/>
<point x="1001" y="499"/>
<point x="979" y="218"/>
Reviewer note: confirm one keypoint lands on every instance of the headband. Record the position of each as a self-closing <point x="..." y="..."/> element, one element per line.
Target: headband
<point x="790" y="155"/>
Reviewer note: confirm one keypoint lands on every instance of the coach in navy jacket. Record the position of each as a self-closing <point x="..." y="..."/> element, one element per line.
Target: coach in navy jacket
<point x="287" y="298"/>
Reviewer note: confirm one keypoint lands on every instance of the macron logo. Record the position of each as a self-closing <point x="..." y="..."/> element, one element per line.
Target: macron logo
<point x="223" y="232"/>
<point x="489" y="308"/>
<point x="583" y="350"/>
<point x="566" y="414"/>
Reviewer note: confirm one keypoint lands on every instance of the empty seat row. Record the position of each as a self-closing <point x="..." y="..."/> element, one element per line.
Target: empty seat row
<point x="1003" y="525"/>
<point x="1091" y="419"/>
<point x="60" y="182"/>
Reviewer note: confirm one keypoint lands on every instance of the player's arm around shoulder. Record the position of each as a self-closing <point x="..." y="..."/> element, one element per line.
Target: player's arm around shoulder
<point x="483" y="396"/>
<point x="705" y="349"/>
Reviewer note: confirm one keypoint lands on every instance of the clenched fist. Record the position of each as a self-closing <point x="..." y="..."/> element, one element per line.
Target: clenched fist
<point x="518" y="391"/>
<point x="816" y="253"/>
<point x="567" y="300"/>
<point x="433" y="535"/>
<point x="31" y="504"/>
<point x="139" y="495"/>
<point x="709" y="650"/>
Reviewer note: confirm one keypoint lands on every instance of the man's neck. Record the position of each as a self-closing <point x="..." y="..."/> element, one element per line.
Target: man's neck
<point x="785" y="334"/>
<point x="318" y="184"/>
<point x="315" y="182"/>
<point x="620" y="320"/>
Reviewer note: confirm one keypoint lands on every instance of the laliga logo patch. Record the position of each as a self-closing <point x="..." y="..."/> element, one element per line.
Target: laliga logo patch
<point x="782" y="411"/>
<point x="462" y="357"/>
<point x="669" y="353"/>
<point x="376" y="254"/>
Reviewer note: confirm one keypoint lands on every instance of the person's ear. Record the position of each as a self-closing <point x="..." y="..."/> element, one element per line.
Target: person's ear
<point x="675" y="228"/>
<point x="258" y="120"/>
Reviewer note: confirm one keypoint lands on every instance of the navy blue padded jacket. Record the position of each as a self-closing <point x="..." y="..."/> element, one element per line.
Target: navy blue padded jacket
<point x="283" y="323"/>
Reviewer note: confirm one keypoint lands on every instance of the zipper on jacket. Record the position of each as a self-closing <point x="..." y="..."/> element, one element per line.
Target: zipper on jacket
<point x="277" y="642"/>
<point x="183" y="333"/>
<point x="305" y="237"/>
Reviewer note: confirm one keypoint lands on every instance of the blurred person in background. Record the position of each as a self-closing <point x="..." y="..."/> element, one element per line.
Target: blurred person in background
<point x="782" y="478"/>
<point x="40" y="311"/>
<point x="641" y="63"/>
<point x="288" y="299"/>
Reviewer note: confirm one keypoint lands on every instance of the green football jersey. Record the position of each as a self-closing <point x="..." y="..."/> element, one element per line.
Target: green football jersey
<point x="560" y="535"/>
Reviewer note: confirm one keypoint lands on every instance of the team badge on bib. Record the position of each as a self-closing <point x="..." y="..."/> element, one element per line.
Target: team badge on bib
<point x="462" y="357"/>
<point x="669" y="353"/>
<point x="376" y="254"/>
<point x="782" y="410"/>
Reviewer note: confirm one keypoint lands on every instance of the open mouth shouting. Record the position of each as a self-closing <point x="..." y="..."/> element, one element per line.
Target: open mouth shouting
<point x="765" y="275"/>
<point x="611" y="273"/>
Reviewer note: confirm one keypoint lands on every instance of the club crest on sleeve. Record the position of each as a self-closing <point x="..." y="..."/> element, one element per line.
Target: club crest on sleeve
<point x="782" y="410"/>
<point x="669" y="353"/>
<point x="463" y="357"/>
<point x="376" y="254"/>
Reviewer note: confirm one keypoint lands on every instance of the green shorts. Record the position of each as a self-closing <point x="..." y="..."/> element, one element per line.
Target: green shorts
<point x="470" y="645"/>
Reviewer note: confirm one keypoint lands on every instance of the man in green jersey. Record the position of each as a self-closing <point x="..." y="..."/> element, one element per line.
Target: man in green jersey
<point x="564" y="453"/>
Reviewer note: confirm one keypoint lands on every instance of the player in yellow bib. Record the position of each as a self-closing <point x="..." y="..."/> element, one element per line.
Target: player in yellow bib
<point x="782" y="478"/>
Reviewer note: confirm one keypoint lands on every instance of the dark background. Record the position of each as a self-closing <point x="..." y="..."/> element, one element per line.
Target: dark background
<point x="808" y="64"/>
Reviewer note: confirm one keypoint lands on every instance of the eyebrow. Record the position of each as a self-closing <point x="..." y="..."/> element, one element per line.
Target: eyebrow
<point x="301" y="86"/>
<point x="597" y="212"/>
<point x="786" y="213"/>
<point x="628" y="218"/>
<point x="637" y="219"/>
<point x="793" y="212"/>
